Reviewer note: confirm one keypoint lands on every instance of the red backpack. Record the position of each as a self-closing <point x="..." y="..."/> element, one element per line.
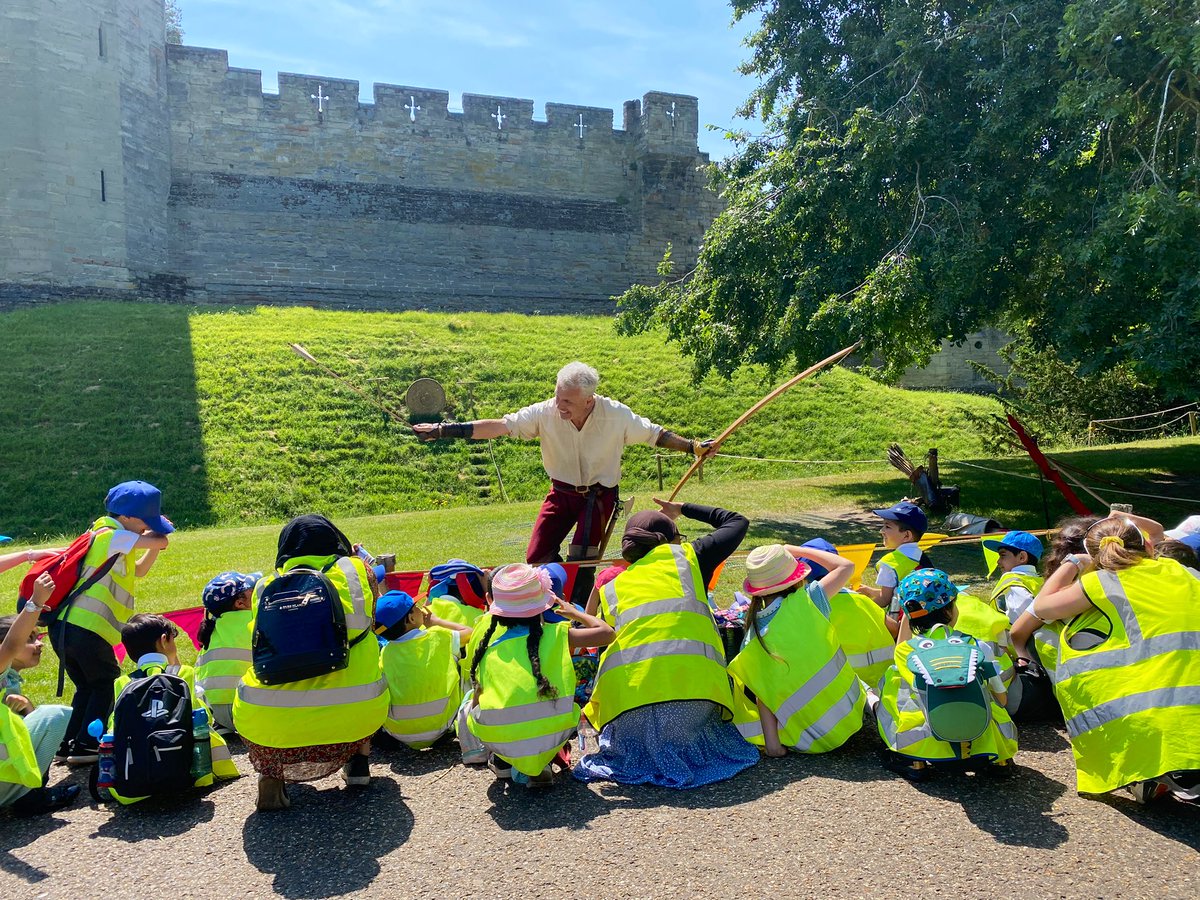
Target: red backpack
<point x="65" y="568"/>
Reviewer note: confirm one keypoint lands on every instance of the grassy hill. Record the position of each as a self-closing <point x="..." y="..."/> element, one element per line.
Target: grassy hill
<point x="209" y="404"/>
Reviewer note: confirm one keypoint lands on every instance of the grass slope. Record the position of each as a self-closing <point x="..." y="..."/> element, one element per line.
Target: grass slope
<point x="209" y="404"/>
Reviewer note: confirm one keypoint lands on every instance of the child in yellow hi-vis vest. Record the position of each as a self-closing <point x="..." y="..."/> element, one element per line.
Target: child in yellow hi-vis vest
<point x="904" y="524"/>
<point x="943" y="700"/>
<point x="150" y="641"/>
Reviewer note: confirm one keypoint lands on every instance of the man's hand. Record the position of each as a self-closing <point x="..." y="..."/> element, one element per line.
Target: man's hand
<point x="671" y="510"/>
<point x="427" y="431"/>
<point x="704" y="449"/>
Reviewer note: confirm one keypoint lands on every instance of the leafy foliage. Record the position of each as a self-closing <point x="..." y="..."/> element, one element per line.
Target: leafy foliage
<point x="174" y="22"/>
<point x="929" y="168"/>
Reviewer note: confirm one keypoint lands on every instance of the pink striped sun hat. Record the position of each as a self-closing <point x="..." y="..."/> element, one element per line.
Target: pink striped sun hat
<point x="771" y="569"/>
<point x="520" y="591"/>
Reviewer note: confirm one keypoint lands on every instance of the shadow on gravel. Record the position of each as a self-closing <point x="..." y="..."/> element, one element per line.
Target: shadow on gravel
<point x="329" y="843"/>
<point x="1043" y="737"/>
<point x="1014" y="810"/>
<point x="154" y="818"/>
<point x="1169" y="818"/>
<point x="441" y="757"/>
<point x="574" y="805"/>
<point x="19" y="833"/>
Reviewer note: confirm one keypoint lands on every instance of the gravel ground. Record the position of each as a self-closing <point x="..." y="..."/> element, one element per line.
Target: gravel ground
<point x="836" y="825"/>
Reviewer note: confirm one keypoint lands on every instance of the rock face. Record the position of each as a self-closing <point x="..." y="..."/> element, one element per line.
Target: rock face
<point x="140" y="169"/>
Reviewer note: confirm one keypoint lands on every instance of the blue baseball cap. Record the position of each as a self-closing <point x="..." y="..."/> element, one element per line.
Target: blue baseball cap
<point x="391" y="610"/>
<point x="558" y="582"/>
<point x="907" y="514"/>
<point x="816" y="571"/>
<point x="140" y="500"/>
<point x="925" y="590"/>
<point x="1017" y="540"/>
<point x="4" y="539"/>
<point x="224" y="587"/>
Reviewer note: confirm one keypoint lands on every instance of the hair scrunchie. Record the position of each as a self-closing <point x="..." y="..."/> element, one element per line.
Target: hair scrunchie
<point x="1111" y="539"/>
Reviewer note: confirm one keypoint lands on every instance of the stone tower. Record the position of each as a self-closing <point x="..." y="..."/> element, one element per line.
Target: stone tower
<point x="85" y="144"/>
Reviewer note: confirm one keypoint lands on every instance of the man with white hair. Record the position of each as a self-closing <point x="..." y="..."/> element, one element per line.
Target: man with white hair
<point x="582" y="435"/>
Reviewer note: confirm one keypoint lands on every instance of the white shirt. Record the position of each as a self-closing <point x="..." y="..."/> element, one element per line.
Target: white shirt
<point x="587" y="455"/>
<point x="1017" y="598"/>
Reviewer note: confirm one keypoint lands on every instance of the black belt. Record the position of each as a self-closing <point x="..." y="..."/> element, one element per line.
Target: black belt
<point x="581" y="489"/>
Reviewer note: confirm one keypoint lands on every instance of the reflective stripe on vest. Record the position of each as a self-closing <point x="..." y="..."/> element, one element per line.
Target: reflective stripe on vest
<point x="224" y="654"/>
<point x="358" y="620"/>
<point x="821" y="679"/>
<point x="526" y="712"/>
<point x="899" y="740"/>
<point x="534" y="746"/>
<point x="417" y="710"/>
<point x="1130" y="704"/>
<point x="97" y="607"/>
<point x="290" y="699"/>
<point x="643" y="652"/>
<point x="654" y="607"/>
<point x="118" y="593"/>
<point x="1140" y="647"/>
<point x="3" y="752"/>
<point x="871" y="657"/>
<point x="219" y="682"/>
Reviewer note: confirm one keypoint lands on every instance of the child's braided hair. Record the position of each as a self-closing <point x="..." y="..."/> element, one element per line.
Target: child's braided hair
<point x="532" y="647"/>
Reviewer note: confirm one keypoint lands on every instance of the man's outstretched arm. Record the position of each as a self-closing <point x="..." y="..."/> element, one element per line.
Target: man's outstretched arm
<point x="479" y="430"/>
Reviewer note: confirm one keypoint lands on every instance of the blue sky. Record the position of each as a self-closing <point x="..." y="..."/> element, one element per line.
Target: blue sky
<point x="591" y="52"/>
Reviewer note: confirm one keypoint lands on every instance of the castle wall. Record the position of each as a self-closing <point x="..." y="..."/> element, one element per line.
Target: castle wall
<point x="403" y="203"/>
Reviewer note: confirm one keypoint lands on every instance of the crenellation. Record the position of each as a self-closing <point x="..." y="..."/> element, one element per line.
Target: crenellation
<point x="397" y="104"/>
<point x="481" y="110"/>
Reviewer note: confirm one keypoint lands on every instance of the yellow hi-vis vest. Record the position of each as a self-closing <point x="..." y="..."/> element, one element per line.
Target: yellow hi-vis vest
<point x="107" y="605"/>
<point x="450" y="610"/>
<point x="336" y="708"/>
<point x="1031" y="583"/>
<point x="222" y="762"/>
<point x="860" y="624"/>
<point x="667" y="646"/>
<point x="18" y="763"/>
<point x="1045" y="638"/>
<point x="803" y="677"/>
<point x="219" y="669"/>
<point x="988" y="626"/>
<point x="1132" y="704"/>
<point x="424" y="687"/>
<point x="904" y="726"/>
<point x="509" y="716"/>
<point x="902" y="565"/>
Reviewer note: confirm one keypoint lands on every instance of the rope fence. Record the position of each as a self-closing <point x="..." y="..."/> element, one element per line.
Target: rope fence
<point x="1188" y="412"/>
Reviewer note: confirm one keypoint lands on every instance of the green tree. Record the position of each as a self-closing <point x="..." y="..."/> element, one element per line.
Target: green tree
<point x="929" y="168"/>
<point x="174" y="22"/>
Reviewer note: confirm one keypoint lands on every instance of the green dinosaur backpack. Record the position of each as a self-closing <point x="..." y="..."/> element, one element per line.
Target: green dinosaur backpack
<point x="950" y="674"/>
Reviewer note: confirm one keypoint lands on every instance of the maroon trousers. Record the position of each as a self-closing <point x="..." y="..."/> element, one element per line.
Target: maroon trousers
<point x="565" y="508"/>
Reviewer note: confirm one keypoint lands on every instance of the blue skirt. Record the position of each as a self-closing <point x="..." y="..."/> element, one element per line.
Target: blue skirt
<point x="680" y="744"/>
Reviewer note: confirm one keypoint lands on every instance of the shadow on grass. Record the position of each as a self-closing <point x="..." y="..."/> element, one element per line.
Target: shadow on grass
<point x="94" y="394"/>
<point x="29" y="830"/>
<point x="329" y="843"/>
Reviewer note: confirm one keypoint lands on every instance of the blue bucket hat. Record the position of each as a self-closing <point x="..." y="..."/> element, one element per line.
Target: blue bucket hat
<point x="224" y="587"/>
<point x="1015" y="541"/>
<point x="924" y="591"/>
<point x="907" y="514"/>
<point x="140" y="500"/>
<point x="391" y="610"/>
<point x="816" y="571"/>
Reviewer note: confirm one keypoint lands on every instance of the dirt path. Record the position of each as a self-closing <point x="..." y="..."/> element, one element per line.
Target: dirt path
<point x="833" y="826"/>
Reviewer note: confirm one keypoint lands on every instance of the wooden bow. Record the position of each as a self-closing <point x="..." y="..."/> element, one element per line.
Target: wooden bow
<point x="748" y="414"/>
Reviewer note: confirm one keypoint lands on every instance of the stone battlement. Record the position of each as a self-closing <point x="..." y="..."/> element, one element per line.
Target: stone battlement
<point x="671" y="119"/>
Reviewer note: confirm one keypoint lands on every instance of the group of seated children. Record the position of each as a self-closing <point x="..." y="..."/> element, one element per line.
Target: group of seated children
<point x="503" y="662"/>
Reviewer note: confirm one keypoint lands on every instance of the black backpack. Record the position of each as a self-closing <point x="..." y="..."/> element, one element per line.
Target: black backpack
<point x="152" y="735"/>
<point x="300" y="628"/>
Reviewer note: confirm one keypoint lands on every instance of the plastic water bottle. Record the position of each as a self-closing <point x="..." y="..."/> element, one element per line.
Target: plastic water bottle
<point x="107" y="765"/>
<point x="202" y="744"/>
